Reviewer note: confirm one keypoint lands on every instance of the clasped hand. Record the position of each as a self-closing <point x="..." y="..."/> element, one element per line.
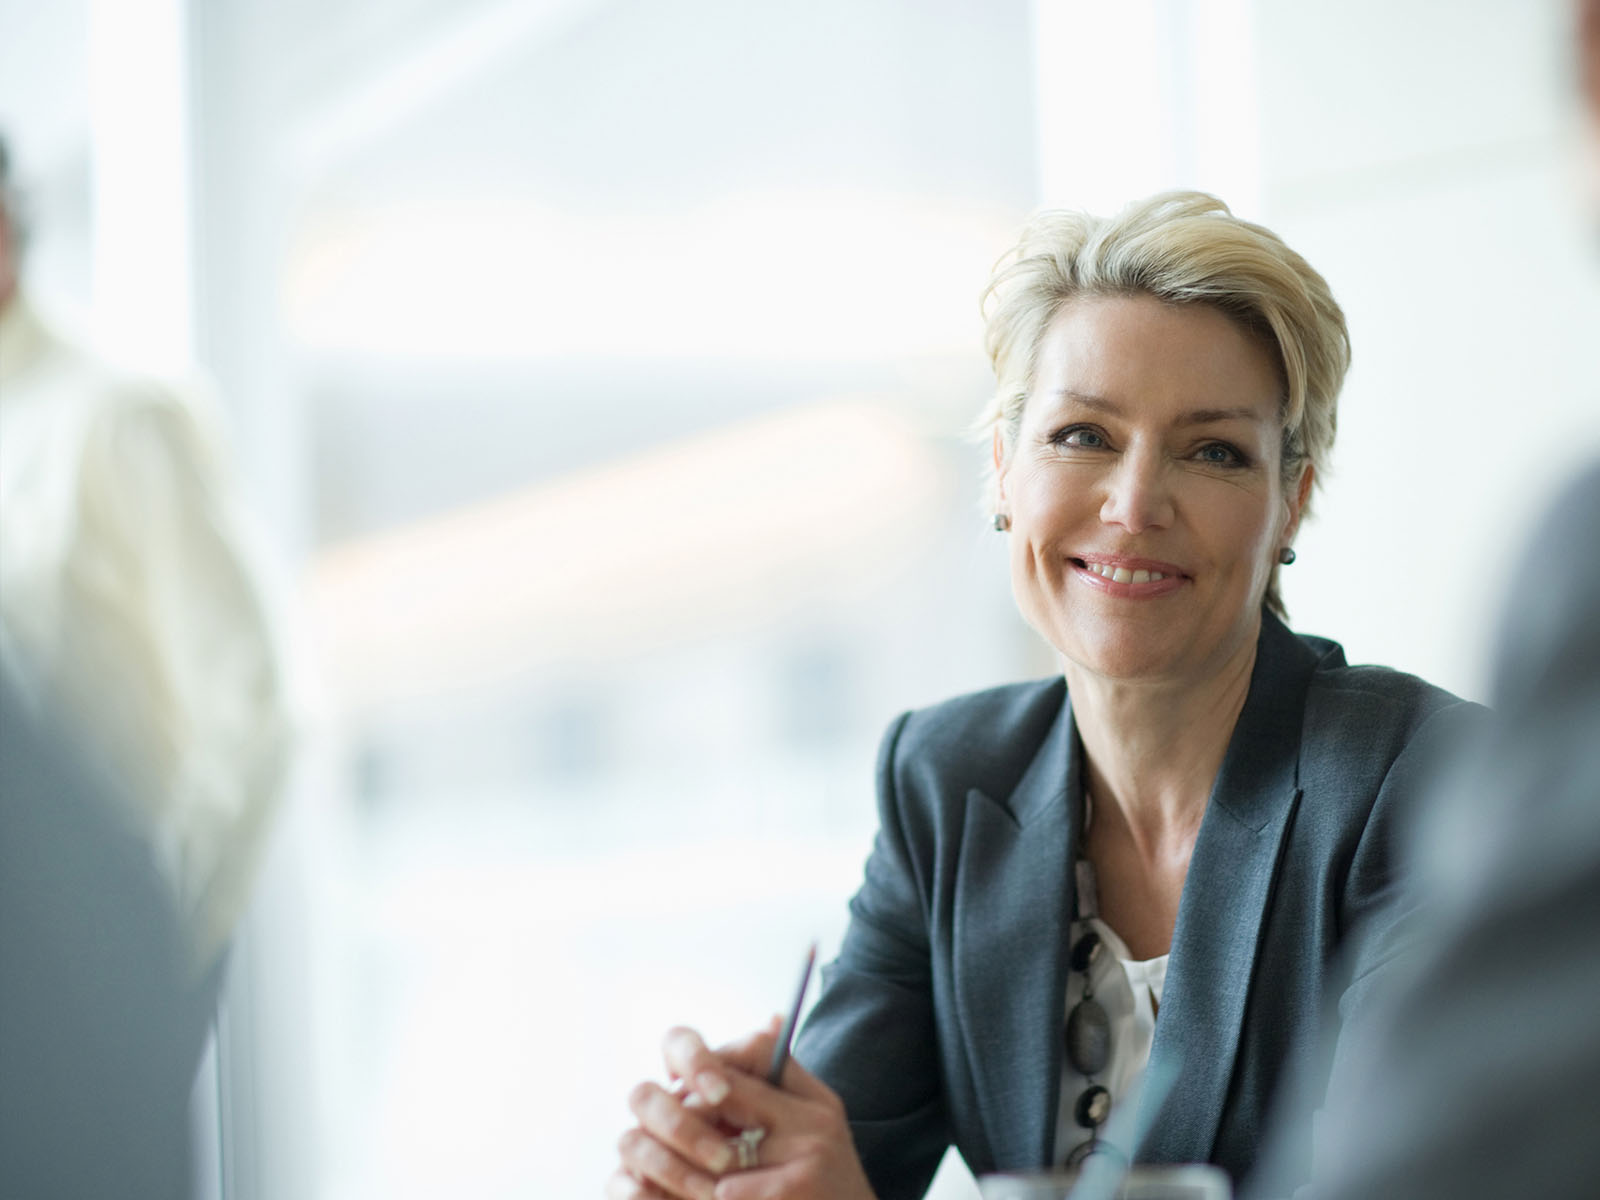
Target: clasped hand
<point x="686" y="1143"/>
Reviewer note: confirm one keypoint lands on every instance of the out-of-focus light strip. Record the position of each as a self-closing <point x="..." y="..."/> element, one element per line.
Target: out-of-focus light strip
<point x="473" y="40"/>
<point x="720" y="531"/>
<point x="795" y="276"/>
<point x="139" y="139"/>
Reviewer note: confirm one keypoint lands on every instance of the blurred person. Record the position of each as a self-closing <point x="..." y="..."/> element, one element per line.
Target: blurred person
<point x="1196" y="818"/>
<point x="100" y="1030"/>
<point x="126" y="603"/>
<point x="1478" y="1076"/>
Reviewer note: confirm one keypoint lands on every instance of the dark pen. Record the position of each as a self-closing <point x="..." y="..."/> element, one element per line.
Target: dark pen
<point x="780" y="1052"/>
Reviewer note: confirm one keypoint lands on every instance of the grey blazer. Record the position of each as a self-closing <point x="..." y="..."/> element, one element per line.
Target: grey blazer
<point x="941" y="1019"/>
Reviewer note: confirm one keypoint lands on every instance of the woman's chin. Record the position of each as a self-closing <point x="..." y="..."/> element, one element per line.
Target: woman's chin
<point x="1127" y="660"/>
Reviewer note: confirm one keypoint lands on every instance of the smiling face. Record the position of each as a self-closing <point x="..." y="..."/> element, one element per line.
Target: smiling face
<point x="1144" y="487"/>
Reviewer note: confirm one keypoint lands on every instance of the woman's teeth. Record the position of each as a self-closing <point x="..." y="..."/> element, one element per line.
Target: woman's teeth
<point x="1122" y="574"/>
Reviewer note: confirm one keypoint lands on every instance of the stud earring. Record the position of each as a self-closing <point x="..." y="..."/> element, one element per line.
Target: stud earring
<point x="1001" y="522"/>
<point x="1286" y="555"/>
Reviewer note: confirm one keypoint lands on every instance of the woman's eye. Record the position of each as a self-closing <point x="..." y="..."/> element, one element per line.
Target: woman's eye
<point x="1220" y="454"/>
<point x="1082" y="437"/>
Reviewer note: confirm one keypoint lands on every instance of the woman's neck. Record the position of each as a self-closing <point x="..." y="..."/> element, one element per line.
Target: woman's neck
<point x="1153" y="750"/>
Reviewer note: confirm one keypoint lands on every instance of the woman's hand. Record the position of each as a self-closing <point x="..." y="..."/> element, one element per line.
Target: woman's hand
<point x="685" y="1145"/>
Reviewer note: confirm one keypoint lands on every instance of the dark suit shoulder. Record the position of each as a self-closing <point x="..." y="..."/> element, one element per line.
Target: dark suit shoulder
<point x="1372" y="732"/>
<point x="1366" y="700"/>
<point x="1383" y="685"/>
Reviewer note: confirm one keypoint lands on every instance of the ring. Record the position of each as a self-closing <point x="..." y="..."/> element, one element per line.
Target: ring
<point x="748" y="1146"/>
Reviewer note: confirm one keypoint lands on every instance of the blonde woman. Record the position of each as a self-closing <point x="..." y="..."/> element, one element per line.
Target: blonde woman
<point x="1175" y="852"/>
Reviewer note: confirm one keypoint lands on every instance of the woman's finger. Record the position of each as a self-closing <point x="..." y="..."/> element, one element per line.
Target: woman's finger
<point x="690" y="1134"/>
<point x="806" y="1153"/>
<point x="751" y="1100"/>
<point x="647" y="1159"/>
<point x="688" y="1058"/>
<point x="691" y="1060"/>
<point x="753" y="1055"/>
<point x="754" y="1103"/>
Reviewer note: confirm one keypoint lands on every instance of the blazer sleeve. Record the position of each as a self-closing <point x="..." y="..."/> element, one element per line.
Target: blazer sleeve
<point x="871" y="1036"/>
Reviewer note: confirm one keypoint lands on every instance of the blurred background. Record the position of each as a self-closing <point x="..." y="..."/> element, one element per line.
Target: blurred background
<point x="595" y="374"/>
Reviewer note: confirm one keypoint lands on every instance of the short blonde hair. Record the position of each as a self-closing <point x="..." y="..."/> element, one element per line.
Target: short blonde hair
<point x="1182" y="248"/>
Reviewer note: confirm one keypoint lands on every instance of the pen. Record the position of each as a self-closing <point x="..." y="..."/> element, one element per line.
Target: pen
<point x="780" y="1052"/>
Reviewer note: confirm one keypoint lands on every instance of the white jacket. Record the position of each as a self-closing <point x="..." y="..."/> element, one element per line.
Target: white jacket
<point x="124" y="592"/>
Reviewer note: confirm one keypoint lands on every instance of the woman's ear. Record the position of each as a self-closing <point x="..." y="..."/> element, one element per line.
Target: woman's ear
<point x="1000" y="465"/>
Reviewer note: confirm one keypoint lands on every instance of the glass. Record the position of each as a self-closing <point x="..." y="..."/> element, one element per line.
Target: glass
<point x="1187" y="1182"/>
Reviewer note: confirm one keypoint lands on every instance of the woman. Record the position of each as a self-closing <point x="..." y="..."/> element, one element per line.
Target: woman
<point x="1193" y="822"/>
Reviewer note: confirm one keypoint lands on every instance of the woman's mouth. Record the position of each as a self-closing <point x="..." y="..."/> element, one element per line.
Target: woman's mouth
<point x="1122" y="574"/>
<point x="1129" y="577"/>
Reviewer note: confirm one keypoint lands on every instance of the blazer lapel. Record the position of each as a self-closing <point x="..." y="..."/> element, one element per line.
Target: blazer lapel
<point x="1224" y="898"/>
<point x="1012" y="913"/>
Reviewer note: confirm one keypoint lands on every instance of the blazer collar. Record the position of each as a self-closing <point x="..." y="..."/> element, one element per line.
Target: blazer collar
<point x="1225" y="896"/>
<point x="1012" y="914"/>
<point x="1013" y="911"/>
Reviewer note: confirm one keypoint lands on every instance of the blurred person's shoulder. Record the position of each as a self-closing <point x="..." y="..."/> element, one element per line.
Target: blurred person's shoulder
<point x="50" y="367"/>
<point x="112" y="425"/>
<point x="1525" y="798"/>
<point x="46" y="358"/>
<point x="1548" y="642"/>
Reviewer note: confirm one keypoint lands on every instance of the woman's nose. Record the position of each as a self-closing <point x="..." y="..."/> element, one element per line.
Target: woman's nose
<point x="1138" y="494"/>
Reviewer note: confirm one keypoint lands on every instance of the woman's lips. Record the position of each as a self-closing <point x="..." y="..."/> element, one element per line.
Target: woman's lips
<point x="1133" y="578"/>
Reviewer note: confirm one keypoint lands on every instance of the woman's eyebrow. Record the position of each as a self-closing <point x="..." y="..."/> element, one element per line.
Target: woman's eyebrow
<point x="1210" y="416"/>
<point x="1195" y="416"/>
<point x="1090" y="400"/>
